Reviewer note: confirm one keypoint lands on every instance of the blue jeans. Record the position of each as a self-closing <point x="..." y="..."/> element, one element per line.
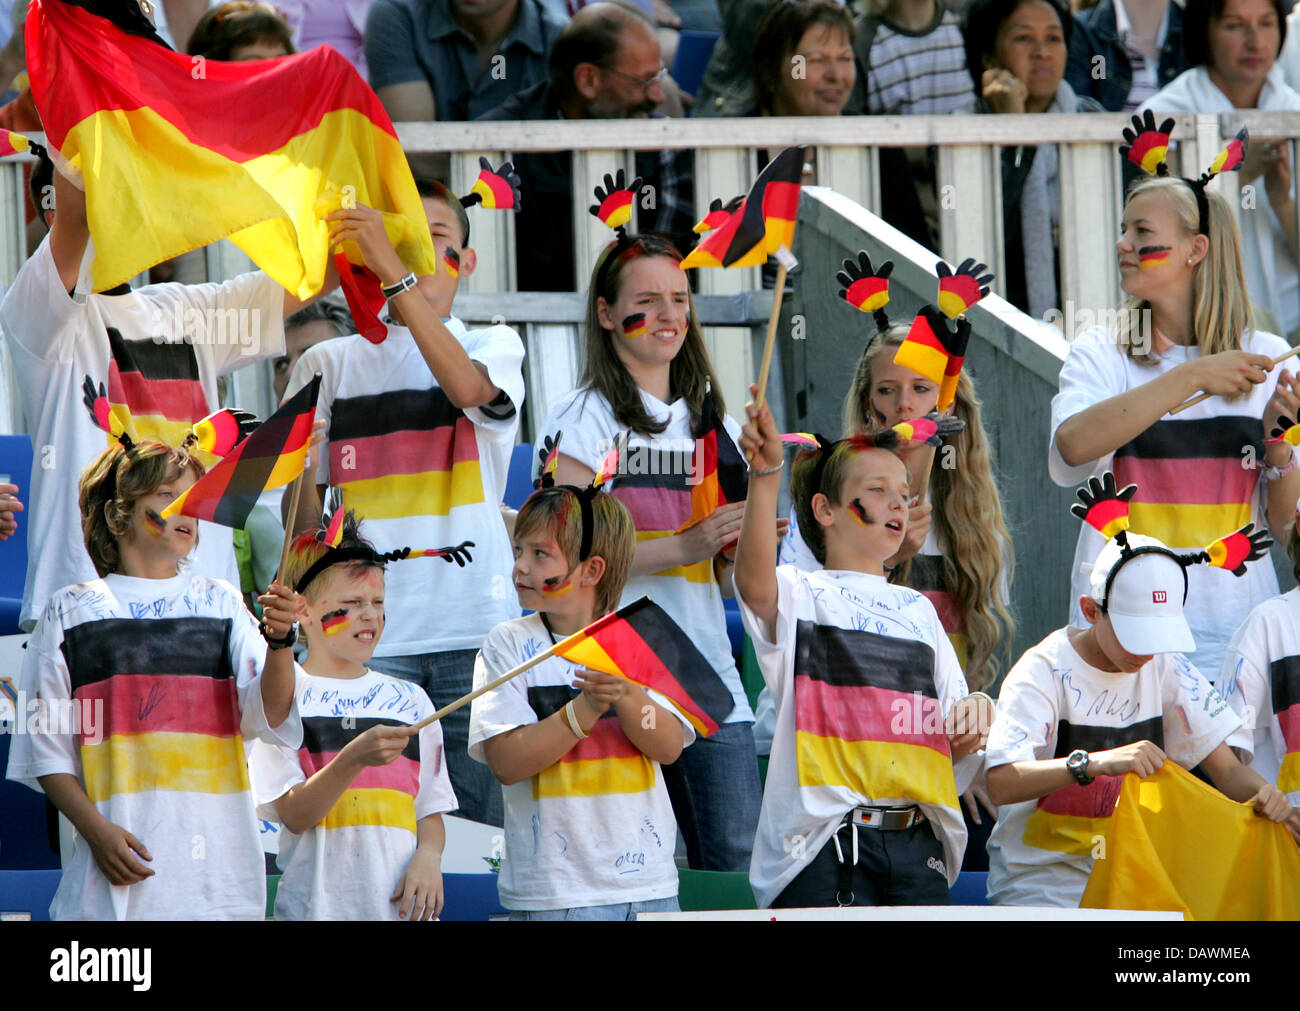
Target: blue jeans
<point x="619" y="911"/>
<point x="445" y="677"/>
<point x="716" y="796"/>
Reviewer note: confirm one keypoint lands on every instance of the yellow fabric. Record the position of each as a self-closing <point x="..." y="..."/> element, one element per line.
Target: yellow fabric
<point x="431" y="493"/>
<point x="877" y="768"/>
<point x="595" y="777"/>
<point x="373" y="806"/>
<point x="186" y="763"/>
<point x="270" y="206"/>
<point x="1177" y="844"/>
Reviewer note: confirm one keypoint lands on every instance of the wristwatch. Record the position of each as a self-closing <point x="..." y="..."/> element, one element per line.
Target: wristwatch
<point x="400" y="285"/>
<point x="1077" y="763"/>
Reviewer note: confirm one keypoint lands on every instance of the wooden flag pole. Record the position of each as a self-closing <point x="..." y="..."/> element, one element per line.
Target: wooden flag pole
<point x="465" y="700"/>
<point x="292" y="520"/>
<point x="784" y="261"/>
<point x="1206" y="396"/>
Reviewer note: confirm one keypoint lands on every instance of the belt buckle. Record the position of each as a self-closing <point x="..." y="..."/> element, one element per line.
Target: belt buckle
<point x="887" y="819"/>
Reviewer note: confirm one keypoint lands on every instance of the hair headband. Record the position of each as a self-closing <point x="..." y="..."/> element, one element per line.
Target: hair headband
<point x="365" y="553"/>
<point x="1106" y="509"/>
<point x="613" y="208"/>
<point x="550" y="455"/>
<point x="929" y="429"/>
<point x="1148" y="144"/>
<point x="497" y="189"/>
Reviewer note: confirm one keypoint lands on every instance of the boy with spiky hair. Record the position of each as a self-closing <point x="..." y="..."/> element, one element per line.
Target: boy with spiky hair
<point x="589" y="829"/>
<point x="872" y="711"/>
<point x="362" y="801"/>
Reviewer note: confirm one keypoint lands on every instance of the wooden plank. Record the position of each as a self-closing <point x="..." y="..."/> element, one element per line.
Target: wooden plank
<point x="1089" y="180"/>
<point x="492" y="233"/>
<point x="970" y="207"/>
<point x="590" y="236"/>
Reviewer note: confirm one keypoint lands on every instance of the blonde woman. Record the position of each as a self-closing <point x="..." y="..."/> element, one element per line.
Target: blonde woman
<point x="1187" y="328"/>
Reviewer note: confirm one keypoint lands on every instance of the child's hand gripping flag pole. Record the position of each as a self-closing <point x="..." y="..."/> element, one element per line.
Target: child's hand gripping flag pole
<point x="641" y="643"/>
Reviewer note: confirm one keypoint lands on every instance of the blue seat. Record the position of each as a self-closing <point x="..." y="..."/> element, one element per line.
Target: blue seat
<point x="28" y="892"/>
<point x="519" y="480"/>
<point x="470" y="897"/>
<point x="735" y="628"/>
<point x="16" y="461"/>
<point x="971" y="889"/>
<point x="693" y="52"/>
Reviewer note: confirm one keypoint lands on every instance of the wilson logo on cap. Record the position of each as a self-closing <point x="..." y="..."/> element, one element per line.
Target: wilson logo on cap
<point x="1158" y="597"/>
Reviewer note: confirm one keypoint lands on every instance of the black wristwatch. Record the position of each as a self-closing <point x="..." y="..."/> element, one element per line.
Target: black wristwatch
<point x="290" y="638"/>
<point x="1077" y="763"/>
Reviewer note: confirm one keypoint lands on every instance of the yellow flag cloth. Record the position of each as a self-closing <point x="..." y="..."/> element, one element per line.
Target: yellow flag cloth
<point x="1175" y="843"/>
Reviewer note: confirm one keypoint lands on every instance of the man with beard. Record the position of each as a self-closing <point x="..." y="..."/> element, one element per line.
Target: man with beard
<point x="604" y="65"/>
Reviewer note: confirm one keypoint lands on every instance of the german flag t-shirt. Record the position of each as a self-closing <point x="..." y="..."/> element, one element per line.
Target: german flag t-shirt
<point x="422" y="473"/>
<point x="862" y="677"/>
<point x="1261" y="681"/>
<point x="596" y="828"/>
<point x="149" y="689"/>
<point x="1052" y="703"/>
<point x="1200" y="475"/>
<point x="348" y="866"/>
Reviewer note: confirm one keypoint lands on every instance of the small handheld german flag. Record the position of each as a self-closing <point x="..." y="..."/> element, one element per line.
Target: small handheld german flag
<point x="1236" y="549"/>
<point x="762" y="224"/>
<point x="13" y="143"/>
<point x="1102" y="506"/>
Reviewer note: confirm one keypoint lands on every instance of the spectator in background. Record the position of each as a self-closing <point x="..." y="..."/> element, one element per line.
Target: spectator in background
<point x="317" y="321"/>
<point x="337" y="23"/>
<point x="1122" y="53"/>
<point x="914" y="61"/>
<point x="1232" y="46"/>
<point x="456" y="59"/>
<point x="604" y="65"/>
<point x="240" y="30"/>
<point x="1015" y="53"/>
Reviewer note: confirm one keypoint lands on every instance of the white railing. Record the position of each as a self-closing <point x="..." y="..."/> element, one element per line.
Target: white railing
<point x="969" y="181"/>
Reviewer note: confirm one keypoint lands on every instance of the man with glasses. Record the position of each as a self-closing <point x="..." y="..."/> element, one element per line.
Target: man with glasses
<point x="604" y="65"/>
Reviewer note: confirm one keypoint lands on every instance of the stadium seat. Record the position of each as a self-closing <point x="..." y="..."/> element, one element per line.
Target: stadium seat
<point x="470" y="897"/>
<point x="16" y="461"/>
<point x="519" y="480"/>
<point x="28" y="892"/>
<point x="699" y="891"/>
<point x="735" y="628"/>
<point x="693" y="52"/>
<point x="272" y="886"/>
<point x="971" y="889"/>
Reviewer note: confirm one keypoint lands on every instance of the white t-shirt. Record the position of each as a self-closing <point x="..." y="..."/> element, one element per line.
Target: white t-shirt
<point x="348" y="866"/>
<point x="1271" y="274"/>
<point x="168" y="671"/>
<point x="1261" y="681"/>
<point x="158" y="350"/>
<point x="422" y="473"/>
<point x="1053" y="702"/>
<point x="862" y="676"/>
<point x="660" y="502"/>
<point x="597" y="827"/>
<point x="1192" y="485"/>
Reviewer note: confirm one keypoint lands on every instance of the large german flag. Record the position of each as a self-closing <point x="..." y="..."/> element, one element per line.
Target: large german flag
<point x="719" y="471"/>
<point x="403" y="453"/>
<point x="641" y="643"/>
<point x="764" y="222"/>
<point x="170" y="718"/>
<point x="604" y="762"/>
<point x="381" y="794"/>
<point x="177" y="152"/>
<point x="867" y="716"/>
<point x="271" y="457"/>
<point x="1191" y="482"/>
<point x="155" y="390"/>
<point x="1285" y="676"/>
<point x="1073" y="818"/>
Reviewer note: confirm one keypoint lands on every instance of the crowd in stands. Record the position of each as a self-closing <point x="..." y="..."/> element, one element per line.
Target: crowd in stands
<point x="888" y="579"/>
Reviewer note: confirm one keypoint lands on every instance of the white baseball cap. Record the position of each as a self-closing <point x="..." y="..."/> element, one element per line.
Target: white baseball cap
<point x="1145" y="603"/>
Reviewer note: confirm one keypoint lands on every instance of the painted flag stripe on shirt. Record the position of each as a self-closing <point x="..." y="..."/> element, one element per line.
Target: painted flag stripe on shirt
<point x="372" y="806"/>
<point x="327" y="734"/>
<point x="604" y="762"/>
<point x="184" y="763"/>
<point x="153" y="703"/>
<point x="402" y="774"/>
<point x="175" y="647"/>
<point x="854" y="713"/>
<point x="1285" y="677"/>
<point x="853" y="658"/>
<point x="1071" y="819"/>
<point x="877" y="769"/>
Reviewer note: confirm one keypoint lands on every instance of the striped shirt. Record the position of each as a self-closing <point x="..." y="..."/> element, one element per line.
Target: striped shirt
<point x="919" y="73"/>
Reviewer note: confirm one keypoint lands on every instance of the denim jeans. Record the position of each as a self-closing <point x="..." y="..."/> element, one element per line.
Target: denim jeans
<point x="445" y="677"/>
<point x="618" y="911"/>
<point x="716" y="796"/>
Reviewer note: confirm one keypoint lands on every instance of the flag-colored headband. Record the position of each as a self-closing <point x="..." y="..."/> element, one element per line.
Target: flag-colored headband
<point x="1105" y="508"/>
<point x="497" y="189"/>
<point x="458" y="553"/>
<point x="1148" y="144"/>
<point x="586" y="496"/>
<point x="613" y="208"/>
<point x="929" y="429"/>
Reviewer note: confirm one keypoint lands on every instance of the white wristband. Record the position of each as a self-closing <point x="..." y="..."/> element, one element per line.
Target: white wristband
<point x="572" y="719"/>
